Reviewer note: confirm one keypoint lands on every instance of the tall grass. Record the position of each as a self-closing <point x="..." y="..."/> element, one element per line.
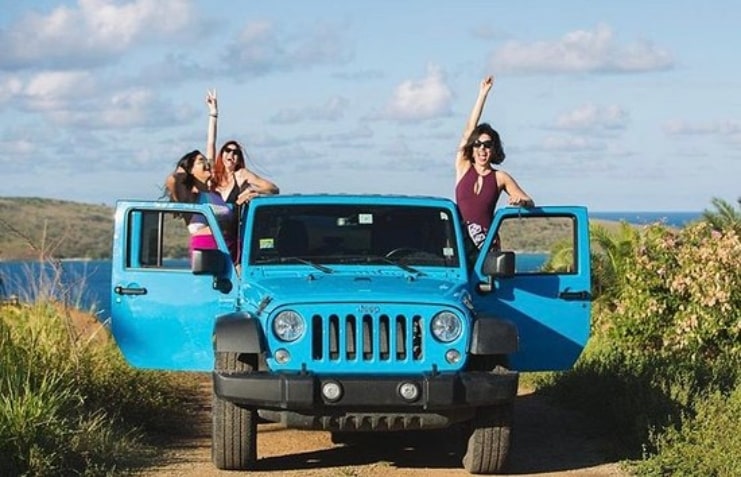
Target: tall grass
<point x="70" y="405"/>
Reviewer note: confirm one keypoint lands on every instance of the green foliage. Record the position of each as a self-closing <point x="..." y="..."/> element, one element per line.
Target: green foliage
<point x="612" y="249"/>
<point x="69" y="404"/>
<point x="724" y="216"/>
<point x="706" y="442"/>
<point x="662" y="369"/>
<point x="681" y="295"/>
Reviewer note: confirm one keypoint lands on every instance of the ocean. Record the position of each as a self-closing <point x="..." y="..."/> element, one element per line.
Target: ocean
<point x="87" y="283"/>
<point x="672" y="219"/>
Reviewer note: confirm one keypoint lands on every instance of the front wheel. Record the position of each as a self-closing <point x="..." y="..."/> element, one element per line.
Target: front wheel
<point x="234" y="429"/>
<point x="488" y="440"/>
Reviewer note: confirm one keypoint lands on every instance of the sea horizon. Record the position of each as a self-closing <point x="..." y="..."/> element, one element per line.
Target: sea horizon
<point x="670" y="218"/>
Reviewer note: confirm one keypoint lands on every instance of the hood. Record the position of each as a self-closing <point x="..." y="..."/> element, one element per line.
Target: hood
<point x="353" y="288"/>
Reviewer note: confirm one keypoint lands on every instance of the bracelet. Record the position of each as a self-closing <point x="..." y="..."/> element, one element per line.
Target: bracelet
<point x="214" y="115"/>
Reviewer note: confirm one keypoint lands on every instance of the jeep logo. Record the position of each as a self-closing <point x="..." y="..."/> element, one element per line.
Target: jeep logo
<point x="369" y="309"/>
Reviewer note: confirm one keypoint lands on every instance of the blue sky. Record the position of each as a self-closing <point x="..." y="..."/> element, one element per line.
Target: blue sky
<point x="631" y="105"/>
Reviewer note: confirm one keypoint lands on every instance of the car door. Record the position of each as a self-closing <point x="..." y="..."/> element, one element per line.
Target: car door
<point x="549" y="296"/>
<point x="162" y="314"/>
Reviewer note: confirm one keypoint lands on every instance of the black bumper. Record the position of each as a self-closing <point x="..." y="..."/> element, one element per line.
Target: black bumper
<point x="300" y="392"/>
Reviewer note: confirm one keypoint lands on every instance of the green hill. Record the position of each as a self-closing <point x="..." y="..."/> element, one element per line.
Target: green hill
<point x="35" y="228"/>
<point x="32" y="228"/>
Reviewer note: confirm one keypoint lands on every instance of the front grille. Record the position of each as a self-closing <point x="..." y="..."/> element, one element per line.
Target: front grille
<point x="382" y="338"/>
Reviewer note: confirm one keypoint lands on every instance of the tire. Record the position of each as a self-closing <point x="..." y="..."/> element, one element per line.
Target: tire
<point x="488" y="440"/>
<point x="234" y="429"/>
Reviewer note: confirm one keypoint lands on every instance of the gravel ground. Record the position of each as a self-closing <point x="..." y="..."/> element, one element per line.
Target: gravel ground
<point x="547" y="441"/>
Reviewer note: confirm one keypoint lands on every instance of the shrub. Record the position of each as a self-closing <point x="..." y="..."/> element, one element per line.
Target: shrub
<point x="662" y="369"/>
<point x="69" y="404"/>
<point x="706" y="442"/>
<point x="681" y="296"/>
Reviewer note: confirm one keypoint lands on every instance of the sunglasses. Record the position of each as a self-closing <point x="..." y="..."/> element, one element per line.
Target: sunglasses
<point x="487" y="144"/>
<point x="233" y="150"/>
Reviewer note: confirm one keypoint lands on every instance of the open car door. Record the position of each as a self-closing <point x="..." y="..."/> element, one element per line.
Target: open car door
<point x="162" y="314"/>
<point x="549" y="296"/>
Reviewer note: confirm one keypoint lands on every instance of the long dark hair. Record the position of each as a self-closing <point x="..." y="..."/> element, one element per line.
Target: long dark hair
<point x="184" y="182"/>
<point x="497" y="152"/>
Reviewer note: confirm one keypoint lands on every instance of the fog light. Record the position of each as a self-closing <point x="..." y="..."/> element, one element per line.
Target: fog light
<point x="409" y="391"/>
<point x="332" y="391"/>
<point x="282" y="356"/>
<point x="452" y="356"/>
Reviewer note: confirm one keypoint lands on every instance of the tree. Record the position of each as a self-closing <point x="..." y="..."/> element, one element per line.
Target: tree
<point x="725" y="216"/>
<point x="611" y="250"/>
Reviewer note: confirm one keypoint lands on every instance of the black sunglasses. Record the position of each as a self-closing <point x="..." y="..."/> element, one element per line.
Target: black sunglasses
<point x="487" y="144"/>
<point x="233" y="150"/>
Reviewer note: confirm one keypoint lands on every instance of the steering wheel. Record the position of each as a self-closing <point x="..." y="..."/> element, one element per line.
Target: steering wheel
<point x="403" y="251"/>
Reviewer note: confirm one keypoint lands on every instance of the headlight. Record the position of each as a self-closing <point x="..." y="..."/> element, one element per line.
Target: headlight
<point x="446" y="326"/>
<point x="288" y="326"/>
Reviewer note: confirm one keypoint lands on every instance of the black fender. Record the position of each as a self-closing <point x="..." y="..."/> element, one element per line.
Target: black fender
<point x="238" y="333"/>
<point x="493" y="336"/>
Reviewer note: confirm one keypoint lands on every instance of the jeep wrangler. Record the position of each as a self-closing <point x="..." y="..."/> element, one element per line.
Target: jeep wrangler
<point x="355" y="314"/>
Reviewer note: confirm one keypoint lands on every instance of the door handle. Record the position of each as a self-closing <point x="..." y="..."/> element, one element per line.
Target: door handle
<point x="129" y="290"/>
<point x="574" y="295"/>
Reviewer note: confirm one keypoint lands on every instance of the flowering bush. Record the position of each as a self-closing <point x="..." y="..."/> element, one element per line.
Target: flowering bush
<point x="681" y="295"/>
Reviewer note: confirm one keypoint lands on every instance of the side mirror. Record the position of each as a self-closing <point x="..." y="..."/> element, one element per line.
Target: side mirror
<point x="208" y="262"/>
<point x="497" y="264"/>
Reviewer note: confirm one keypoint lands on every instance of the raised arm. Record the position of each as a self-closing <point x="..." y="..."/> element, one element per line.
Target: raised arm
<point x="461" y="163"/>
<point x="213" y="115"/>
<point x="177" y="186"/>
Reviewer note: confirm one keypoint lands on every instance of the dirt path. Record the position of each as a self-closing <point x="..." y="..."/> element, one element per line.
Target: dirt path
<point x="547" y="442"/>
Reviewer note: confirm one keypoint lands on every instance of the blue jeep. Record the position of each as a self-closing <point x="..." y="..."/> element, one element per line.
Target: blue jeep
<point x="355" y="313"/>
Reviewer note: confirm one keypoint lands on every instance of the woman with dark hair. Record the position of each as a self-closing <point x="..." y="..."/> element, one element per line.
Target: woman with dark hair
<point x="232" y="185"/>
<point x="190" y="183"/>
<point x="232" y="179"/>
<point x="478" y="184"/>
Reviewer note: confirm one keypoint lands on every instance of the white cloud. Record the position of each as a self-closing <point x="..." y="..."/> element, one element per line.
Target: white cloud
<point x="77" y="99"/>
<point x="10" y="87"/>
<point x="260" y="49"/>
<point x="571" y="144"/>
<point x="580" y="51"/>
<point x="427" y="98"/>
<point x="332" y="110"/>
<point x="90" y="33"/>
<point x="592" y="117"/>
<point x="727" y="127"/>
<point x="727" y="130"/>
<point x="53" y="90"/>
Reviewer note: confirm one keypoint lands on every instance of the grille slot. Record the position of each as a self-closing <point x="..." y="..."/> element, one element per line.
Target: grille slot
<point x="366" y="338"/>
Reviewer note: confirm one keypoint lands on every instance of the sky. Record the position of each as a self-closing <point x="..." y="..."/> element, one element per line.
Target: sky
<point x="619" y="106"/>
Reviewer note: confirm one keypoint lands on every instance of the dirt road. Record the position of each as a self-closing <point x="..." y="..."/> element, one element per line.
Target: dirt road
<point x="547" y="441"/>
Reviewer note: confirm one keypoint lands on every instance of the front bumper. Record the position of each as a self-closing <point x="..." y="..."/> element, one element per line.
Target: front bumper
<point x="302" y="392"/>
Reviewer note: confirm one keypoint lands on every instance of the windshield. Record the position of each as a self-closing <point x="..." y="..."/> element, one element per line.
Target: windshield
<point x="354" y="234"/>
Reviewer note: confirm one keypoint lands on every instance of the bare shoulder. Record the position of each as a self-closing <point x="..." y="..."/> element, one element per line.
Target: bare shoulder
<point x="243" y="175"/>
<point x="461" y="167"/>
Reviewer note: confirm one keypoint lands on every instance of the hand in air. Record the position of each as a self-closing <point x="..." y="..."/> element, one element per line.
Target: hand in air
<point x="487" y="83"/>
<point x="211" y="102"/>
